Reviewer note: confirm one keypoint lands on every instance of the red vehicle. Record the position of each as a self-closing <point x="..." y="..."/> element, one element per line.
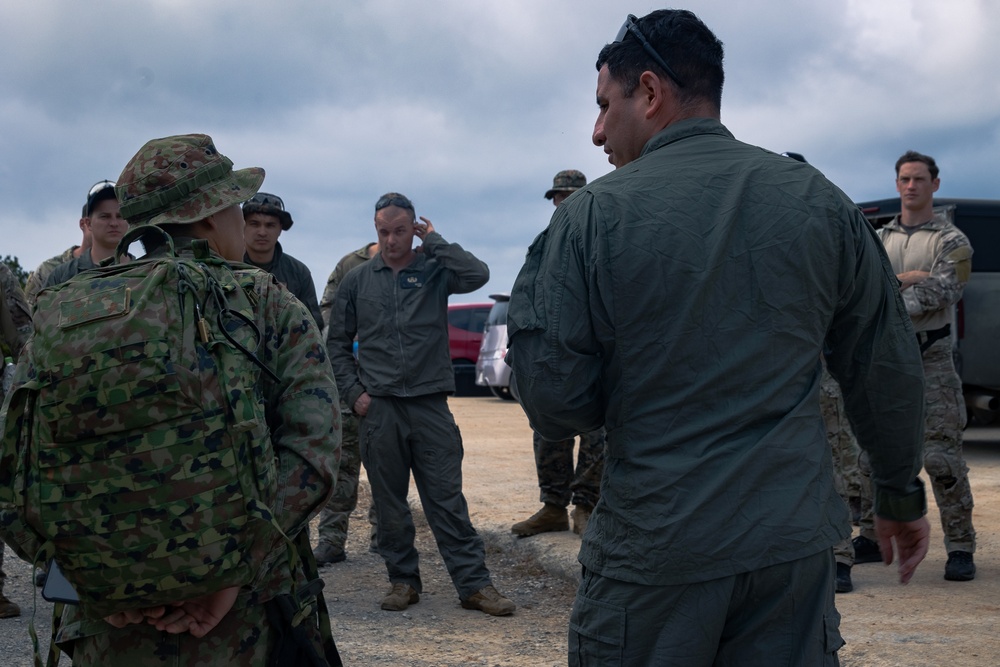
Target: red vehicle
<point x="466" y="322"/>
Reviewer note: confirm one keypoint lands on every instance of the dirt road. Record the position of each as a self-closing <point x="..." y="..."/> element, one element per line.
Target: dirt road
<point x="929" y="623"/>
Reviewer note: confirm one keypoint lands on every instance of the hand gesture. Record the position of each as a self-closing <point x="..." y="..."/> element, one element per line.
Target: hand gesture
<point x="422" y="230"/>
<point x="911" y="539"/>
<point x="198" y="615"/>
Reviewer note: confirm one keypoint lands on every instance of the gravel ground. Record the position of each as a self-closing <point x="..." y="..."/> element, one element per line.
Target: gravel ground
<point x="928" y="623"/>
<point x="436" y="631"/>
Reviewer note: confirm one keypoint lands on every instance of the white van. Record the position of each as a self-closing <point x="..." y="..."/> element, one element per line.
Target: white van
<point x="491" y="370"/>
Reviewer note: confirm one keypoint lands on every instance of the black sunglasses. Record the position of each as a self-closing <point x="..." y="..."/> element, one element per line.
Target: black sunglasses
<point x="388" y="200"/>
<point x="99" y="187"/>
<point x="265" y="199"/>
<point x="630" y="25"/>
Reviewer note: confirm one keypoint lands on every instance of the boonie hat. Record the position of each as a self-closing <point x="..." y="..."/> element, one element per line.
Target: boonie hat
<point x="181" y="180"/>
<point x="569" y="180"/>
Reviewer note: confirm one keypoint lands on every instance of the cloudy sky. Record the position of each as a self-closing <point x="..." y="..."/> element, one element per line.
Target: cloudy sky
<point x="467" y="106"/>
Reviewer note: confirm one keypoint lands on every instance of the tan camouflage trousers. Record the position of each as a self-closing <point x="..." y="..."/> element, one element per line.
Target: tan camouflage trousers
<point x="847" y="477"/>
<point x="558" y="481"/>
<point x="244" y="638"/>
<point x="944" y="420"/>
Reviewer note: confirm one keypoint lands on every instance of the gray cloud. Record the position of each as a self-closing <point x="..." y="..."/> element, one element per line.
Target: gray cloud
<point x="469" y="108"/>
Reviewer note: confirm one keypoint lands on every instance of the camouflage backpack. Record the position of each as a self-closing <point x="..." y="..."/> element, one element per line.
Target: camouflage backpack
<point x="136" y="451"/>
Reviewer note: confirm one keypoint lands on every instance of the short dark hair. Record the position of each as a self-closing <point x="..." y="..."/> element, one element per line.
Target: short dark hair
<point x="914" y="156"/>
<point x="685" y="44"/>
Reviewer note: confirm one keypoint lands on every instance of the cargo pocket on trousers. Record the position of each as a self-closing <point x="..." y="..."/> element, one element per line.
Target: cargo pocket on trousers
<point x="831" y="626"/>
<point x="596" y="634"/>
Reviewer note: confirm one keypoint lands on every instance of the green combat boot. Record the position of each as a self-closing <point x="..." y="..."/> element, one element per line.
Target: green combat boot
<point x="327" y="554"/>
<point x="549" y="519"/>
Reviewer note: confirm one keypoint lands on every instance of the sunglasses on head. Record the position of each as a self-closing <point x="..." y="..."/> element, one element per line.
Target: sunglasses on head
<point x="630" y="25"/>
<point x="100" y="186"/>
<point x="265" y="199"/>
<point x="393" y="201"/>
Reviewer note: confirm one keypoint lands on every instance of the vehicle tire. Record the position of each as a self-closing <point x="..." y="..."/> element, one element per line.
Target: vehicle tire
<point x="502" y="392"/>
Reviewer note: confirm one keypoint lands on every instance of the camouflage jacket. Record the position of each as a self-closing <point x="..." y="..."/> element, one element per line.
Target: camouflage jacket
<point x="15" y="314"/>
<point x="344" y="266"/>
<point x="304" y="425"/>
<point x="38" y="277"/>
<point x="294" y="275"/>
<point x="940" y="248"/>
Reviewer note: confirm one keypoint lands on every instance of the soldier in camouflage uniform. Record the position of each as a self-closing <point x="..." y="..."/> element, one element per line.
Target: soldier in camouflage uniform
<point x="106" y="227"/>
<point x="336" y="515"/>
<point x="266" y="218"/>
<point x="38" y="277"/>
<point x="15" y="329"/>
<point x="346" y="263"/>
<point x="558" y="483"/>
<point x="933" y="259"/>
<point x="846" y="475"/>
<point x="231" y="626"/>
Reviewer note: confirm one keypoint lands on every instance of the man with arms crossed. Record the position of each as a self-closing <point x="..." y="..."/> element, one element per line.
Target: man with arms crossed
<point x="932" y="260"/>
<point x="683" y="301"/>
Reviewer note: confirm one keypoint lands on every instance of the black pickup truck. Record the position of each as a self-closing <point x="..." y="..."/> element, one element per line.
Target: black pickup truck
<point x="977" y="316"/>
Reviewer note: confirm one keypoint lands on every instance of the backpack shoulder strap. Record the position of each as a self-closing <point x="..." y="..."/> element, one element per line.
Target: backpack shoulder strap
<point x="136" y="234"/>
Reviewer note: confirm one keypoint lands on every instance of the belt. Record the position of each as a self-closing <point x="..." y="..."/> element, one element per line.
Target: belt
<point x="927" y="338"/>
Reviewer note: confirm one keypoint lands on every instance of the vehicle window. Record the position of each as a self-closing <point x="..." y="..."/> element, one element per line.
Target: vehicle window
<point x="498" y="314"/>
<point x="984" y="236"/>
<point x="477" y="319"/>
<point x="458" y="318"/>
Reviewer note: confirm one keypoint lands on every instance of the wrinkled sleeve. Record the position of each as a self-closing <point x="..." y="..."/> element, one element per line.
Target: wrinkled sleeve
<point x="303" y="410"/>
<point x="36" y="281"/>
<point x="340" y="340"/>
<point x="468" y="272"/>
<point x="948" y="275"/>
<point x="555" y="355"/>
<point x="326" y="303"/>
<point x="873" y="355"/>
<point x="307" y="294"/>
<point x="15" y="320"/>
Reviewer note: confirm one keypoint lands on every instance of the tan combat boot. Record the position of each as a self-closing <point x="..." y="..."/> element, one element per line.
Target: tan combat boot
<point x="400" y="597"/>
<point x="581" y="515"/>
<point x="549" y="519"/>
<point x="488" y="600"/>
